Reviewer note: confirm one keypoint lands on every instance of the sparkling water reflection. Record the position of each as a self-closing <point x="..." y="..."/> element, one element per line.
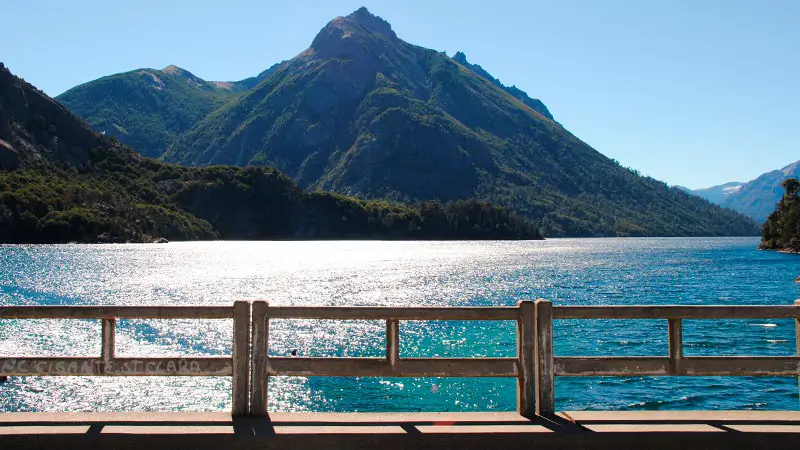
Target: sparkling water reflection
<point x="567" y="271"/>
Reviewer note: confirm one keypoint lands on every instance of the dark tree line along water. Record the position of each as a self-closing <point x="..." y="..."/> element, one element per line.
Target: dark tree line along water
<point x="782" y="229"/>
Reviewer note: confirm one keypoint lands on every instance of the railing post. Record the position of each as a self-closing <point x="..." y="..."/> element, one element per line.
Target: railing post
<point x="797" y="338"/>
<point x="392" y="341"/>
<point x="526" y="380"/>
<point x="241" y="359"/>
<point x="108" y="333"/>
<point x="545" y="373"/>
<point x="259" y="378"/>
<point x="675" y="346"/>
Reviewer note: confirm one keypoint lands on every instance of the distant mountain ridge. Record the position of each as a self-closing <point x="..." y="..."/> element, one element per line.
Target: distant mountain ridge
<point x="361" y="112"/>
<point x="756" y="198"/>
<point x="718" y="194"/>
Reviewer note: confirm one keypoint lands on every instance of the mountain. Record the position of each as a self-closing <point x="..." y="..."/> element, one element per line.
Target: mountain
<point x="60" y="182"/>
<point x="756" y="198"/>
<point x="782" y="229"/>
<point x="361" y="112"/>
<point x="718" y="194"/>
<point x="147" y="108"/>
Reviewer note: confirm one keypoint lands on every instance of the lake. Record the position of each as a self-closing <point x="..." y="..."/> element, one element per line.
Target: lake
<point x="696" y="271"/>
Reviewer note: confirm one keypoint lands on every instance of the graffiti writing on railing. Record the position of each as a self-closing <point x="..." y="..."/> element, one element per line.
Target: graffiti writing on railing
<point x="80" y="366"/>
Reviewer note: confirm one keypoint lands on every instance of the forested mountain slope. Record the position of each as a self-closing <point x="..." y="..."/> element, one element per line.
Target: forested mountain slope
<point x="60" y="182"/>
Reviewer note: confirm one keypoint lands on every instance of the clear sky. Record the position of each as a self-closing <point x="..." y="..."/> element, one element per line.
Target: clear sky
<point x="692" y="92"/>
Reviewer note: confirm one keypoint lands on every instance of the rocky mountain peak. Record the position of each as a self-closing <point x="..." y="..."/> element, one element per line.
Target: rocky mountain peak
<point x="460" y="58"/>
<point x="366" y="19"/>
<point x="189" y="77"/>
<point x="344" y="35"/>
<point x="183" y="73"/>
<point x="175" y="70"/>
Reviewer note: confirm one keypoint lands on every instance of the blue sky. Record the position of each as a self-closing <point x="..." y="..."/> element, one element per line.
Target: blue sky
<point x="694" y="93"/>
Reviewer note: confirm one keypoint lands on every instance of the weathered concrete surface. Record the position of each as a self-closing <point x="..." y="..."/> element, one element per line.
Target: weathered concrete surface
<point x="584" y="417"/>
<point x="675" y="429"/>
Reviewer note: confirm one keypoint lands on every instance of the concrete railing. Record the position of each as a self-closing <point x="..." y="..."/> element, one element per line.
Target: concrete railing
<point x="108" y="364"/>
<point x="675" y="364"/>
<point x="535" y="365"/>
<point x="392" y="365"/>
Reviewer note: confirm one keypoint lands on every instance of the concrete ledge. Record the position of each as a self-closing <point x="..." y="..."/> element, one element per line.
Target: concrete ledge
<point x="570" y="429"/>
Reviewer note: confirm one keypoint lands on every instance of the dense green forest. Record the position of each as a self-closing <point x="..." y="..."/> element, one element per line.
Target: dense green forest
<point x="62" y="182"/>
<point x="781" y="231"/>
<point x="147" y="108"/>
<point x="364" y="113"/>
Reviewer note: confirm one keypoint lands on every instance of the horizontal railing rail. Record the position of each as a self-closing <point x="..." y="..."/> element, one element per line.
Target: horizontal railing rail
<point x="116" y="312"/>
<point x="676" y="312"/>
<point x="396" y="313"/>
<point x="535" y="366"/>
<point x="108" y="364"/>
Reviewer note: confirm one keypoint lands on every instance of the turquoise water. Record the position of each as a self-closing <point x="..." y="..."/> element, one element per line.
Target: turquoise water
<point x="566" y="271"/>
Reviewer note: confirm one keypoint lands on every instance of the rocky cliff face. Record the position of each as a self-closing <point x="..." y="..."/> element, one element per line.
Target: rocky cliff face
<point x="517" y="93"/>
<point x="34" y="126"/>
